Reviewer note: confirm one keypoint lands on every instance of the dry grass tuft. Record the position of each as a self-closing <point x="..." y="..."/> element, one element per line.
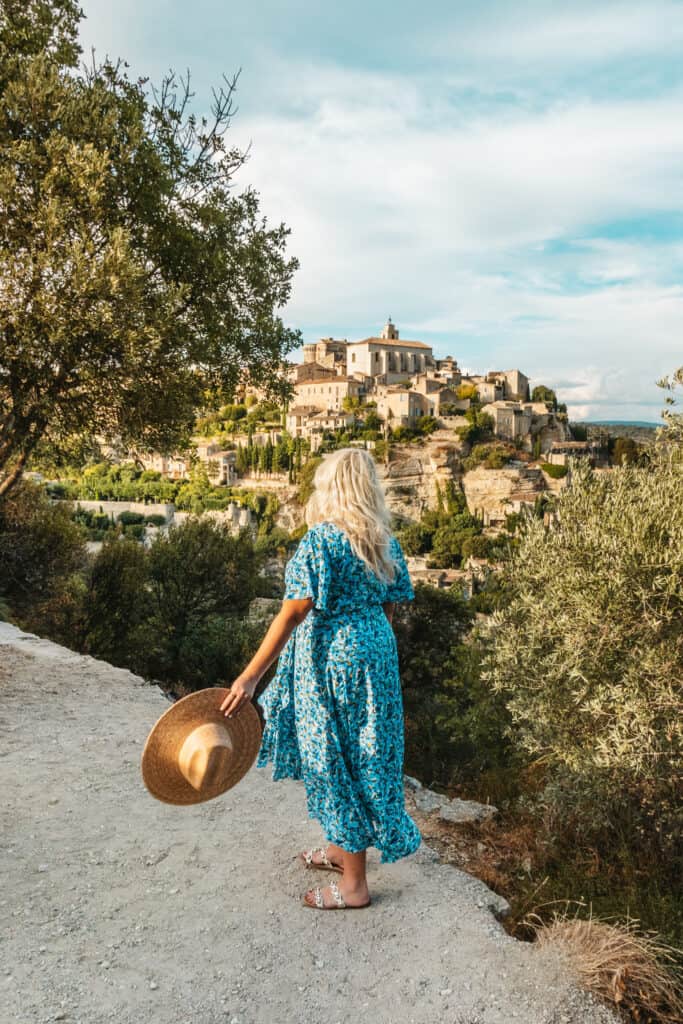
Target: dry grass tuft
<point x="619" y="964"/>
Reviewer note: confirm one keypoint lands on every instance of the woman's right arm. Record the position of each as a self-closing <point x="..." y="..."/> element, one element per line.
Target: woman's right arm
<point x="281" y="628"/>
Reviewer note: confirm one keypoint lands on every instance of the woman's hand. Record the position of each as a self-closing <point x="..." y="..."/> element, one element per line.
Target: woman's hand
<point x="241" y="692"/>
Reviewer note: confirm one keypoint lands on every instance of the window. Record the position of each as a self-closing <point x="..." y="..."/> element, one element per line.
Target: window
<point x="353" y="357"/>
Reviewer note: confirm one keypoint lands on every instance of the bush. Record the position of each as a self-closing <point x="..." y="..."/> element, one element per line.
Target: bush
<point x="42" y="553"/>
<point x="554" y="471"/>
<point x="477" y="546"/>
<point x="198" y="574"/>
<point x="155" y="520"/>
<point x="118" y="608"/>
<point x="493" y="456"/>
<point x="589" y="649"/>
<point x="130" y="518"/>
<point x="135" y="530"/>
<point x="454" y="723"/>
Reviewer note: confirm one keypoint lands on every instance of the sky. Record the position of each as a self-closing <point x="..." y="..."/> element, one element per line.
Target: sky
<point x="503" y="179"/>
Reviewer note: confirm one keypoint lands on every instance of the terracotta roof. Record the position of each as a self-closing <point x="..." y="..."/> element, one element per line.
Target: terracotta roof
<point x="328" y="380"/>
<point x="392" y="343"/>
<point x="302" y="410"/>
<point x="332" y="414"/>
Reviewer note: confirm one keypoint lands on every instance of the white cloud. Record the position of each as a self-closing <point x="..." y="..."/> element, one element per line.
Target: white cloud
<point x="576" y="33"/>
<point x="405" y="197"/>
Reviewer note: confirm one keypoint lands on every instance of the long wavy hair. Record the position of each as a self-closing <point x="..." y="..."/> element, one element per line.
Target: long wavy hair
<point x="348" y="493"/>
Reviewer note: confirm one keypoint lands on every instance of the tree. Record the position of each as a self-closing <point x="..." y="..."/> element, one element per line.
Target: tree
<point x="134" y="280"/>
<point x="42" y="553"/>
<point x="589" y="648"/>
<point x="118" y="606"/>
<point x="625" y="450"/>
<point x="541" y="393"/>
<point x="454" y="723"/>
<point x="198" y="574"/>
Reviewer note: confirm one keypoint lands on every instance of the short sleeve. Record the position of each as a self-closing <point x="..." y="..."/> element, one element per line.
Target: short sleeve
<point x="308" y="572"/>
<point x="400" y="588"/>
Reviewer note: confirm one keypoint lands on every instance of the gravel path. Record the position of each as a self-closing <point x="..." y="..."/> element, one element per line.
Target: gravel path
<point x="118" y="908"/>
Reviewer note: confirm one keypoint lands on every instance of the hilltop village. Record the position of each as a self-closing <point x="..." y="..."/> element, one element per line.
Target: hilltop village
<point x="470" y="450"/>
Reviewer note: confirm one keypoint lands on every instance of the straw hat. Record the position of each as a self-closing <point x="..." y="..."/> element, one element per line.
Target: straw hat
<point x="194" y="753"/>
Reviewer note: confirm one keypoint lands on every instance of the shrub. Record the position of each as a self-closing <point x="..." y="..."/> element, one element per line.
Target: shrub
<point x="454" y="723"/>
<point x="198" y="573"/>
<point x="493" y="456"/>
<point x="554" y="471"/>
<point x="42" y="553"/>
<point x="589" y="649"/>
<point x="130" y="518"/>
<point x="135" y="530"/>
<point x="155" y="520"/>
<point x="118" y="608"/>
<point x="620" y="965"/>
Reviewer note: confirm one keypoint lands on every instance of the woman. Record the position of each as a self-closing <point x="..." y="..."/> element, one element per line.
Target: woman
<point x="334" y="713"/>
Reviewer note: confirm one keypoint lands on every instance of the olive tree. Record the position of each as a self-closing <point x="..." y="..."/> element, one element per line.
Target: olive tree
<point x="589" y="650"/>
<point x="136" y="283"/>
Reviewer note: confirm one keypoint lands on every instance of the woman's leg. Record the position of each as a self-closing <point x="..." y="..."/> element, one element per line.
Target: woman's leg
<point x="353" y="884"/>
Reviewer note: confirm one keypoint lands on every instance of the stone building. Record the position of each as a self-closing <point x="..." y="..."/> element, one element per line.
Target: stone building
<point x="561" y="451"/>
<point x="329" y="353"/>
<point x="388" y="357"/>
<point x="525" y="421"/>
<point x="326" y="392"/>
<point x="400" y="407"/>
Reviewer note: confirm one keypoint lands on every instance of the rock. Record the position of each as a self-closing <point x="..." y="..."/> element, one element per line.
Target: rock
<point x="461" y="811"/>
<point x="412" y="783"/>
<point x="426" y="800"/>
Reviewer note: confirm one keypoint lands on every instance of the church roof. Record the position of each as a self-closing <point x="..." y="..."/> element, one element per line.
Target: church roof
<point x="392" y="343"/>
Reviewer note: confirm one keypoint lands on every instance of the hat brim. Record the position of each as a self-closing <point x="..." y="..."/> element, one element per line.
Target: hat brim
<point x="160" y="771"/>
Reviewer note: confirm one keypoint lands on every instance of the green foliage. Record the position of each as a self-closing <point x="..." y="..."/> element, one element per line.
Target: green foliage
<point x="492" y="456"/>
<point x="671" y="431"/>
<point x="136" y="280"/>
<point x="415" y="539"/>
<point x="442" y="533"/>
<point x="306" y="480"/>
<point x="175" y="612"/>
<point x="465" y="391"/>
<point x="454" y="723"/>
<point x="42" y="553"/>
<point x="589" y="649"/>
<point x="118" y="624"/>
<point x="155" y="520"/>
<point x="479" y="426"/>
<point x="624" y="450"/>
<point x="541" y="393"/>
<point x="554" y="471"/>
<point x="476" y="546"/>
<point x="579" y="431"/>
<point x="130" y="518"/>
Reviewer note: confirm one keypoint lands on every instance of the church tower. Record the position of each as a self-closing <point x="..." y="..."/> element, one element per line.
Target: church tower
<point x="389" y="331"/>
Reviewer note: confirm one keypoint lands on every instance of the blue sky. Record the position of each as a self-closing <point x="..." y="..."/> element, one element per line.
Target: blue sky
<point x="504" y="179"/>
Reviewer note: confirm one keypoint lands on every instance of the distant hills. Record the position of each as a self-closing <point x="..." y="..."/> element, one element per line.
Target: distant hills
<point x="639" y="430"/>
<point x="620" y="423"/>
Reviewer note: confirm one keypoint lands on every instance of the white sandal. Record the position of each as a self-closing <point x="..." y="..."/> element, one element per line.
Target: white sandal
<point x="339" y="903"/>
<point x="325" y="864"/>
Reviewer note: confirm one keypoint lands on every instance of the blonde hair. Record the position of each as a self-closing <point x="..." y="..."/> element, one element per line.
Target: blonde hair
<point x="348" y="493"/>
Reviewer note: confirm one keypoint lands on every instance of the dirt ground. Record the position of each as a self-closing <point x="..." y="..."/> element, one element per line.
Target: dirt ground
<point x="116" y="907"/>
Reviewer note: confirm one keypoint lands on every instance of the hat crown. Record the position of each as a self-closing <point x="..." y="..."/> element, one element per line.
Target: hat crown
<point x="205" y="755"/>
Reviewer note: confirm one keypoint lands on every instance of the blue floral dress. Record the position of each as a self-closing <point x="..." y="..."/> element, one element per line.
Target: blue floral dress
<point x="334" y="709"/>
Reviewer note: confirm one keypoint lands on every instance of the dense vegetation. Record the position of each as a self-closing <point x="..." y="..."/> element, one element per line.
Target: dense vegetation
<point x="137" y="284"/>
<point x="449" y="534"/>
<point x="174" y="611"/>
